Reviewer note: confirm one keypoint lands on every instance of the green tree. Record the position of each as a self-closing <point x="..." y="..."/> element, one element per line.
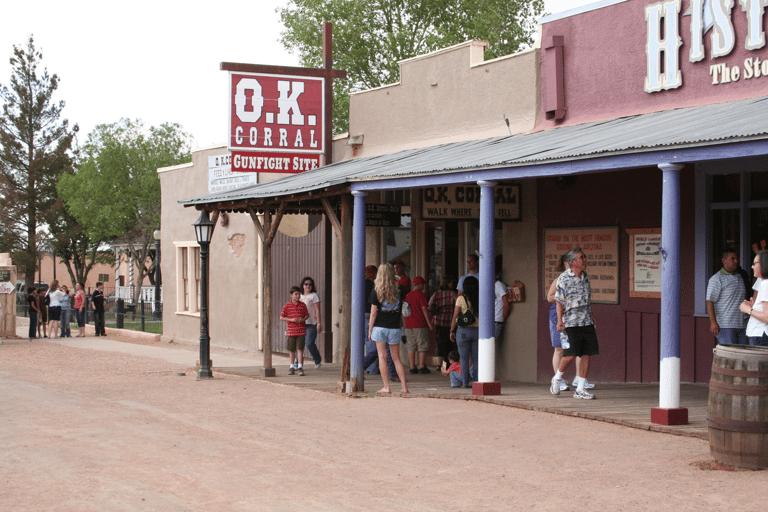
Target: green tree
<point x="73" y="246"/>
<point x="35" y="149"/>
<point x="371" y="36"/>
<point x="115" y="191"/>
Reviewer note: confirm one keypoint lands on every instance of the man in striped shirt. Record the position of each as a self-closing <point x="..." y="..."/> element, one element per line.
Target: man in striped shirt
<point x="725" y="292"/>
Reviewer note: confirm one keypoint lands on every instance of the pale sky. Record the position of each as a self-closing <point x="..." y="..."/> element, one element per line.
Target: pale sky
<point x="154" y="60"/>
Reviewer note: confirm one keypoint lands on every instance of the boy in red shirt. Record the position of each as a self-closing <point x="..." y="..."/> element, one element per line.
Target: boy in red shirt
<point x="295" y="315"/>
<point x="453" y="371"/>
<point x="417" y="327"/>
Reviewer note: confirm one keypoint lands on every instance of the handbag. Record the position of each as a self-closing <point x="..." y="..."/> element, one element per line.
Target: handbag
<point x="467" y="318"/>
<point x="405" y="309"/>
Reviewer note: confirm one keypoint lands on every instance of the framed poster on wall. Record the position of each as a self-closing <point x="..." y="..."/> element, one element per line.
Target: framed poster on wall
<point x="601" y="247"/>
<point x="645" y="263"/>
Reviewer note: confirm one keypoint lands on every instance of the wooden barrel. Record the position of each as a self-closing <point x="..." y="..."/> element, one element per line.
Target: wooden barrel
<point x="738" y="406"/>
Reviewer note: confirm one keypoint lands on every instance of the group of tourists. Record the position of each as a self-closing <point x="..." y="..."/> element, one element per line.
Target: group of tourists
<point x="52" y="309"/>
<point x="397" y="310"/>
<point x="737" y="309"/>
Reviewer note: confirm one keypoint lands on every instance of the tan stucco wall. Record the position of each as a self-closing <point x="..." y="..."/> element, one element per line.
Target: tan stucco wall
<point x="233" y="268"/>
<point x="516" y="355"/>
<point x="447" y="96"/>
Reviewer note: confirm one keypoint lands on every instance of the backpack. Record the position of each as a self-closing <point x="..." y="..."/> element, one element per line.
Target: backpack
<point x="405" y="309"/>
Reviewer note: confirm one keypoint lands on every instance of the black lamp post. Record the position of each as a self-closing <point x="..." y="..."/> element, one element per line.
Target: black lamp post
<point x="156" y="234"/>
<point x="204" y="232"/>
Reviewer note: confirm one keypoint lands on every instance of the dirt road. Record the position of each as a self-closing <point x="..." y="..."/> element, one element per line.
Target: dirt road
<point x="89" y="430"/>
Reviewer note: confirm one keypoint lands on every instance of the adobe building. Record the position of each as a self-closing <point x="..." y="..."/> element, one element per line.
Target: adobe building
<point x="636" y="131"/>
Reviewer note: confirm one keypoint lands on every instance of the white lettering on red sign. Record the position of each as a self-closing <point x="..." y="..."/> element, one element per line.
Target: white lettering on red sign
<point x="276" y="113"/>
<point x="273" y="162"/>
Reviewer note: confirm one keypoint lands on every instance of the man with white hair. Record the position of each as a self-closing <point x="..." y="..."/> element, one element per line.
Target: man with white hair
<point x="574" y="316"/>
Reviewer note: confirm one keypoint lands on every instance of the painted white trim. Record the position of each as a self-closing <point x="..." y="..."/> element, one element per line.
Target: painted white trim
<point x="579" y="10"/>
<point x="486" y="355"/>
<point x="174" y="167"/>
<point x="669" y="383"/>
<point x="446" y="50"/>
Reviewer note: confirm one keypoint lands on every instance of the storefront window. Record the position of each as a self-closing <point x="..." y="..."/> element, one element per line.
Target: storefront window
<point x="726" y="188"/>
<point x="759" y="186"/>
<point x="398" y="242"/>
<point x="725" y="233"/>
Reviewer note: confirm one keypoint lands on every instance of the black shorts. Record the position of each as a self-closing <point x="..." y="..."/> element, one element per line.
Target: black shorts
<point x="54" y="313"/>
<point x="583" y="341"/>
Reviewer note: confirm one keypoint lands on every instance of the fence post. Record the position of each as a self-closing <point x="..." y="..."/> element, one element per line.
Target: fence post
<point x="119" y="313"/>
<point x="142" y="314"/>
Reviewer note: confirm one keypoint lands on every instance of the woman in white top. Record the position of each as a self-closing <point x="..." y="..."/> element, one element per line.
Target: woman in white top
<point x="757" y="308"/>
<point x="54" y="309"/>
<point x="310" y="299"/>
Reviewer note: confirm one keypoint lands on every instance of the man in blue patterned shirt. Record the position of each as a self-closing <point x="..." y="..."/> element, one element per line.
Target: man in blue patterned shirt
<point x="574" y="316"/>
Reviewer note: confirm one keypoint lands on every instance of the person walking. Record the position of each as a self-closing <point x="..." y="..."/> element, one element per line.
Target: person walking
<point x="79" y="307"/>
<point x="295" y="314"/>
<point x="573" y="298"/>
<point x="466" y="336"/>
<point x="418" y="327"/>
<point x="313" y="326"/>
<point x="384" y="324"/>
<point x="441" y="306"/>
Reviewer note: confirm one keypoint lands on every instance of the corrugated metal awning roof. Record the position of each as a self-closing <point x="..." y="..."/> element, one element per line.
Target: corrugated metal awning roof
<point x="707" y="125"/>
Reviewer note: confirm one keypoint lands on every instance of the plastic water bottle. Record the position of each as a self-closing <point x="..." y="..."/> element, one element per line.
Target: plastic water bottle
<point x="564" y="340"/>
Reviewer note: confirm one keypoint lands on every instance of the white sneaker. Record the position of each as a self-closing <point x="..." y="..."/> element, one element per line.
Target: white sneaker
<point x="584" y="395"/>
<point x="564" y="385"/>
<point x="587" y="384"/>
<point x="554" y="387"/>
<point x="318" y="365"/>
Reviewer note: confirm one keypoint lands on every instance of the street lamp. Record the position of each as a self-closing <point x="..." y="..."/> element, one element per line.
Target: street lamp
<point x="204" y="232"/>
<point x="156" y="234"/>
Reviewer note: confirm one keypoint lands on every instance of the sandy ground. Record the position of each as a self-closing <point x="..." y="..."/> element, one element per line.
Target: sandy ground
<point x="90" y="430"/>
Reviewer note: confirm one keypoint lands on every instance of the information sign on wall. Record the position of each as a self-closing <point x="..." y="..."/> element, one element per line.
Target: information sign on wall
<point x="462" y="202"/>
<point x="382" y="215"/>
<point x="221" y="178"/>
<point x="601" y="247"/>
<point x="645" y="263"/>
<point x="279" y="114"/>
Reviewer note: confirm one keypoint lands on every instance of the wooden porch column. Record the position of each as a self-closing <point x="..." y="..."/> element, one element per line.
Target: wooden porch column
<point x="267" y="234"/>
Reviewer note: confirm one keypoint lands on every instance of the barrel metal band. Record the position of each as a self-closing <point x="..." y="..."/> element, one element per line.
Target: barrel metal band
<point x="740" y="373"/>
<point x="738" y="389"/>
<point x="746" y="427"/>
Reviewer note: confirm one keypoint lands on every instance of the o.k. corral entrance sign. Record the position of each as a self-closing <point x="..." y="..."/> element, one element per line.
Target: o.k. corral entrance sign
<point x="276" y="122"/>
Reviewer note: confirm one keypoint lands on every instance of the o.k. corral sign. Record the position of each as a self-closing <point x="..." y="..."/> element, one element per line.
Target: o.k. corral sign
<point x="276" y="122"/>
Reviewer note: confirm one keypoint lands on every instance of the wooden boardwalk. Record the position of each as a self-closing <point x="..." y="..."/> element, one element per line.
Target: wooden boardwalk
<point x="624" y="404"/>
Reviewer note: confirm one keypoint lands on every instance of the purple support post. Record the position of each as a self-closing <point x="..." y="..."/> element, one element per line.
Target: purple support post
<point x="357" y="334"/>
<point x="669" y="411"/>
<point x="486" y="366"/>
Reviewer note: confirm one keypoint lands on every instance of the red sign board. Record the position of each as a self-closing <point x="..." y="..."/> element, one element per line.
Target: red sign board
<point x="260" y="161"/>
<point x="279" y="114"/>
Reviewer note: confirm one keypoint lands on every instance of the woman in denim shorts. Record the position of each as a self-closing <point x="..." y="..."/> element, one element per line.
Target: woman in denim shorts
<point x="385" y="322"/>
